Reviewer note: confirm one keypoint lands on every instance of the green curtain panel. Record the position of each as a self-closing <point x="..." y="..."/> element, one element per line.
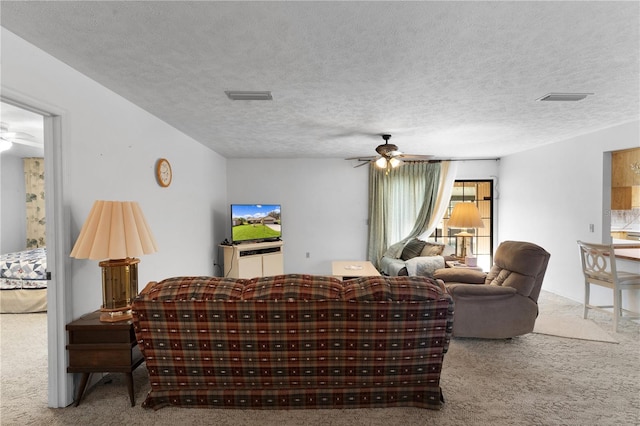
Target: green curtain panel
<point x="34" y="185"/>
<point x="400" y="204"/>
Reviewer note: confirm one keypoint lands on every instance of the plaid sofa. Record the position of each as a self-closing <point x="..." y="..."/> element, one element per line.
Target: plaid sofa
<point x="294" y="341"/>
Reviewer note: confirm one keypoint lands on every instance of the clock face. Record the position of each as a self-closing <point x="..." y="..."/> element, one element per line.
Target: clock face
<point x="163" y="172"/>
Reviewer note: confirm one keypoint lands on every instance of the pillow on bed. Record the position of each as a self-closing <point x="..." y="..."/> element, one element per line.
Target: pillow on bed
<point x="412" y="249"/>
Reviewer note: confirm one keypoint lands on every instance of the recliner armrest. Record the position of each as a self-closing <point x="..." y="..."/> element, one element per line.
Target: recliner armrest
<point x="460" y="275"/>
<point x="474" y="290"/>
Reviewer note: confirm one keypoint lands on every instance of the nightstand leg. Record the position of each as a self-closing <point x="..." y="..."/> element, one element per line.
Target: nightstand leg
<point x="130" y="387"/>
<point x="83" y="384"/>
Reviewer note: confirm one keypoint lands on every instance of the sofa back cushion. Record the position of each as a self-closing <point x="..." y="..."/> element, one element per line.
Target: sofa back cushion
<point x="402" y="288"/>
<point x="293" y="287"/>
<point x="367" y="289"/>
<point x="197" y="288"/>
<point x="418" y="288"/>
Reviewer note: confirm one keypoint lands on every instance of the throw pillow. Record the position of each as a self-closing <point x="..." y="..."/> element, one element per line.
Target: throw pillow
<point x="412" y="249"/>
<point x="432" y="249"/>
<point x="394" y="251"/>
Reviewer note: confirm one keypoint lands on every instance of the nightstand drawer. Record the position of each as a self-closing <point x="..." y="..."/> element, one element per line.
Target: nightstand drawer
<point x="106" y="358"/>
<point x="105" y="335"/>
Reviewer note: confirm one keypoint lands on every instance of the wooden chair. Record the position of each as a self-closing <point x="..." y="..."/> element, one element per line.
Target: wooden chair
<point x="599" y="267"/>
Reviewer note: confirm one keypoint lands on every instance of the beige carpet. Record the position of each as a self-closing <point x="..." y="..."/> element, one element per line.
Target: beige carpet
<point x="536" y="380"/>
<point x="572" y="328"/>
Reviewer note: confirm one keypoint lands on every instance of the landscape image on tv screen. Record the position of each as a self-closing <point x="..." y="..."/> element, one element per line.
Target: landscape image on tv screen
<point x="255" y="222"/>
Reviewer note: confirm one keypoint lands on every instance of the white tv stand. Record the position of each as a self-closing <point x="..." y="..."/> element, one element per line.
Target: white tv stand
<point x="253" y="259"/>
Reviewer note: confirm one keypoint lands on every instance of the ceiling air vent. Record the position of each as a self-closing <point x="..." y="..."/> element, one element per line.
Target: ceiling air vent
<point x="564" y="97"/>
<point x="240" y="95"/>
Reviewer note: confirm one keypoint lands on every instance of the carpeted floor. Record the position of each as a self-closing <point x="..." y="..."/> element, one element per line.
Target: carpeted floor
<point x="535" y="379"/>
<point x="573" y="328"/>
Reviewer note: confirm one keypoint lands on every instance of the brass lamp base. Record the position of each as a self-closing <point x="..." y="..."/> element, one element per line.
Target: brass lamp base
<point x="119" y="287"/>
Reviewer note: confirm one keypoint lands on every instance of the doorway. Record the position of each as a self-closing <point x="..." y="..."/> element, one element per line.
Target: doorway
<point x="60" y="384"/>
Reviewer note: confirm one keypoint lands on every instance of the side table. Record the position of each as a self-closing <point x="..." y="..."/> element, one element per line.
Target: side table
<point x="108" y="347"/>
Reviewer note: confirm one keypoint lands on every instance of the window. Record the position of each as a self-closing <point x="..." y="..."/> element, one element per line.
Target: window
<point x="481" y="193"/>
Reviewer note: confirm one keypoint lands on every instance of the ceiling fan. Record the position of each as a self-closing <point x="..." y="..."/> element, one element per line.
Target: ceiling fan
<point x="389" y="157"/>
<point x="7" y="138"/>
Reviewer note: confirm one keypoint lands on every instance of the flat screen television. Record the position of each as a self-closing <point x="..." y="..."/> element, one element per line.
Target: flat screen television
<point x="255" y="223"/>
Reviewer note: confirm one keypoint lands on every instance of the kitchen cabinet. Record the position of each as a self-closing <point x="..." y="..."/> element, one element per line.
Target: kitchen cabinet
<point x="625" y="179"/>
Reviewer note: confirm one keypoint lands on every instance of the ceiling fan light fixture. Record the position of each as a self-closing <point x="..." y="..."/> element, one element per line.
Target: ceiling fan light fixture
<point x="5" y="145"/>
<point x="395" y="162"/>
<point x="245" y="95"/>
<point x="564" y="97"/>
<point x="381" y="162"/>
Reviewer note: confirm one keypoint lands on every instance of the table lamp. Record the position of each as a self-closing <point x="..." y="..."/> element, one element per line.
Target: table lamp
<point x="464" y="215"/>
<point x="118" y="232"/>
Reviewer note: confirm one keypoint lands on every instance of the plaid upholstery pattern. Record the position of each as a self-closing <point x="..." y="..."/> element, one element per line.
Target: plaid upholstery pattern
<point x="198" y="288"/>
<point x="294" y="287"/>
<point x="288" y="353"/>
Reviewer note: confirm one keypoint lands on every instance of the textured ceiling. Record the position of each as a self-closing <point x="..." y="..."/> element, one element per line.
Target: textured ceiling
<point x="451" y="79"/>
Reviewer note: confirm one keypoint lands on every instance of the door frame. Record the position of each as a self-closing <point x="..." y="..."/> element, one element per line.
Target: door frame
<point x="60" y="383"/>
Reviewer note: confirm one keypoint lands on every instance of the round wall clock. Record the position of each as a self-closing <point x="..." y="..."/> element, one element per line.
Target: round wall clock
<point x="163" y="172"/>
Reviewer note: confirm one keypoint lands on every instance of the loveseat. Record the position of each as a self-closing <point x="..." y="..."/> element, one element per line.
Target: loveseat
<point x="293" y="341"/>
<point x="415" y="257"/>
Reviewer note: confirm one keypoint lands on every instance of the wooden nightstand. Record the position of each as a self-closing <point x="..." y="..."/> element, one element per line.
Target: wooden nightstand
<point x="96" y="346"/>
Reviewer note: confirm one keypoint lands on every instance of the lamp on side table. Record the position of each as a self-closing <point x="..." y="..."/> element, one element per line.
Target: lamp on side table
<point x="465" y="215"/>
<point x="116" y="231"/>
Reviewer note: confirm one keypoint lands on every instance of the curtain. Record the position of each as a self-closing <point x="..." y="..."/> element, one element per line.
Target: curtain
<point x="34" y="185"/>
<point x="448" y="172"/>
<point x="400" y="204"/>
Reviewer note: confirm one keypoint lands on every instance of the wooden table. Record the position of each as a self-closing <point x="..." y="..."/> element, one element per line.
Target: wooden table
<point x="348" y="269"/>
<point x="108" y="347"/>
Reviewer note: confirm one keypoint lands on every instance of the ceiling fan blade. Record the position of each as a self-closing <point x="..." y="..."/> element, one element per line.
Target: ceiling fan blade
<point x="362" y="164"/>
<point x="366" y="158"/>
<point x="27" y="143"/>
<point x="6" y="134"/>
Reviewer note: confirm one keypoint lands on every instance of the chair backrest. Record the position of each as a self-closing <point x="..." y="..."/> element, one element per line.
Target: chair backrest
<point x="598" y="263"/>
<point x="521" y="265"/>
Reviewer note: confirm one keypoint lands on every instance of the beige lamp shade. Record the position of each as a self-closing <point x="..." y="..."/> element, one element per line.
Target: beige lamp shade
<point x="465" y="215"/>
<point x="114" y="230"/>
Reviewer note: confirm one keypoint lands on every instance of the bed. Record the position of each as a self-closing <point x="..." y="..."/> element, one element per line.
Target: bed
<point x="23" y="281"/>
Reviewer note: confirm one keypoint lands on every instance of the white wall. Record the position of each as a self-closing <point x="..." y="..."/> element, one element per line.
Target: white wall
<point x="13" y="224"/>
<point x="324" y="205"/>
<point x="550" y="196"/>
<point x="108" y="150"/>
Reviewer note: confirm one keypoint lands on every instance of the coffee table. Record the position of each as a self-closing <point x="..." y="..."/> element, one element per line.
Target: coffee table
<point x="349" y="269"/>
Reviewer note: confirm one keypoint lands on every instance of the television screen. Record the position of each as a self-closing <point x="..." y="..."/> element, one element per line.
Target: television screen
<point x="255" y="222"/>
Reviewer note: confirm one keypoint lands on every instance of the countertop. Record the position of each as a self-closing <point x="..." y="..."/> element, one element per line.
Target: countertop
<point x="630" y="250"/>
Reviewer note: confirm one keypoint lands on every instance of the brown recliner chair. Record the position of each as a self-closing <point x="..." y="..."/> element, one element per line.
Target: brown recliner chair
<point x="502" y="303"/>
